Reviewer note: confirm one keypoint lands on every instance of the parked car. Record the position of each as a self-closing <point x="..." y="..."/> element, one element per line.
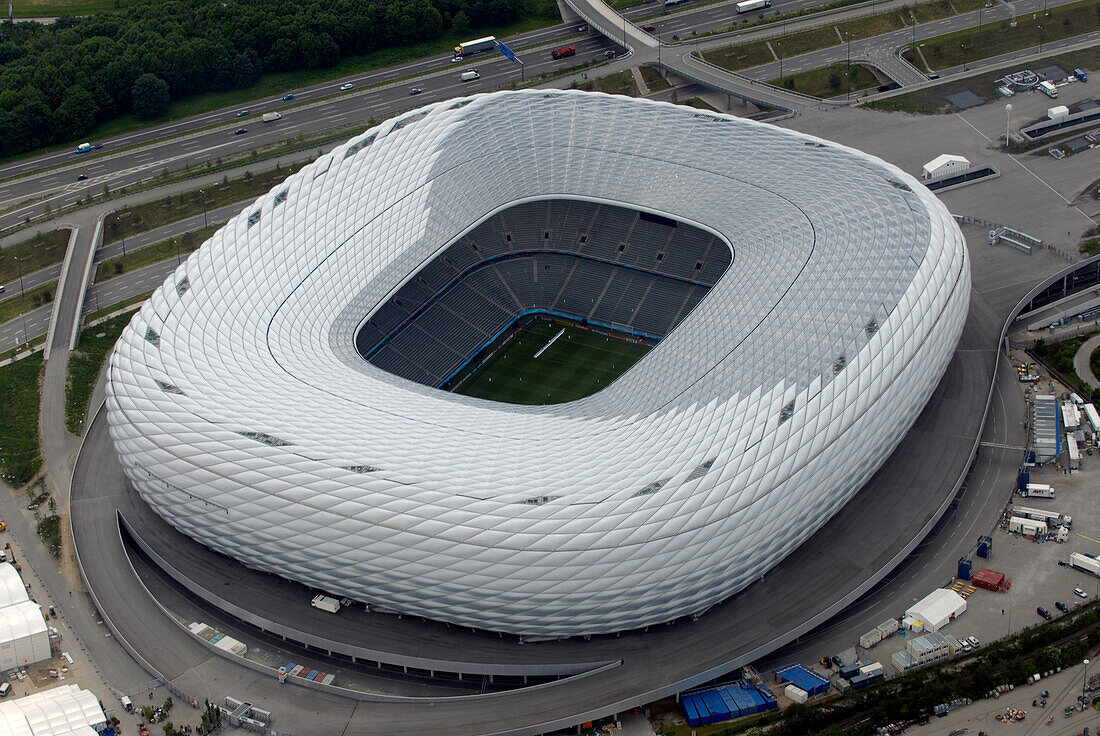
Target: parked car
<point x="240" y="131"/>
<point x="415" y="91"/>
<point x="1061" y="606"/>
<point x="242" y="113"/>
<point x="1080" y="593"/>
<point x="974" y="641"/>
<point x="346" y="87"/>
<point x="1044" y="613"/>
<point x="288" y="96"/>
<point x="965" y="645"/>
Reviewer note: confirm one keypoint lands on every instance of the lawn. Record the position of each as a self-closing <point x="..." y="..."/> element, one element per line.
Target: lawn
<point x="20" y="456"/>
<point x="28" y="256"/>
<point x="85" y="364"/>
<point x="51" y="8"/>
<point x="828" y="81"/>
<point x="172" y="208"/>
<point x="998" y="38"/>
<point x="577" y="364"/>
<point x="179" y="246"/>
<point x="18" y="304"/>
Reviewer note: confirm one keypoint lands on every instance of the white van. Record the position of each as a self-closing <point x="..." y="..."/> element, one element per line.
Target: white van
<point x="5" y="688"/>
<point x="470" y="75"/>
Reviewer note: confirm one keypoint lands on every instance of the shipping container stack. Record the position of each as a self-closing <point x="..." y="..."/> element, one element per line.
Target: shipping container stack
<point x="705" y="707"/>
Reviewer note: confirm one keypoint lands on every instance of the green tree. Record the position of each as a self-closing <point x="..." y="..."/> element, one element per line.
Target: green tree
<point x="77" y="113"/>
<point x="149" y="97"/>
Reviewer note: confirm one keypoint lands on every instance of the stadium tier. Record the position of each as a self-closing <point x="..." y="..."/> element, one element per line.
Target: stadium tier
<point x="276" y="398"/>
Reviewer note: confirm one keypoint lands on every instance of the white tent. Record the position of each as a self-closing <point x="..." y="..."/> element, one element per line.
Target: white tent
<point x="938" y="608"/>
<point x="61" y="711"/>
<point x="944" y="165"/>
<point x="24" y="638"/>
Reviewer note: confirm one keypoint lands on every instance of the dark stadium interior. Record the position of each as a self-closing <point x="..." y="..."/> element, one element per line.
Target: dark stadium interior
<point x="637" y="272"/>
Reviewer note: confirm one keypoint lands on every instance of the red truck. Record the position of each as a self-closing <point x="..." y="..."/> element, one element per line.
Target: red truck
<point x="563" y="52"/>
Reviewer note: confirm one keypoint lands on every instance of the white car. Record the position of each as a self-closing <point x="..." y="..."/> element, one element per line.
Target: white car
<point x="346" y="87"/>
<point x="456" y="59"/>
<point x="973" y="641"/>
<point x="1080" y="593"/>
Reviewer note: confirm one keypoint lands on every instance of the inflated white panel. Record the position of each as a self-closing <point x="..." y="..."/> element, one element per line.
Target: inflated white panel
<point x="256" y="428"/>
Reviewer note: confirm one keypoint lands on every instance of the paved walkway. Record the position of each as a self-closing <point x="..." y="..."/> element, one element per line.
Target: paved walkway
<point x="1081" y="361"/>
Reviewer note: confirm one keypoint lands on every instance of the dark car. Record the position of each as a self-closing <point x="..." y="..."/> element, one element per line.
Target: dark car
<point x="242" y="113"/>
<point x="82" y="177"/>
<point x="649" y="29"/>
<point x="97" y="146"/>
<point x="240" y="131"/>
<point x="288" y="96"/>
<point x="1061" y="606"/>
<point x="1044" y="613"/>
<point x="415" y="91"/>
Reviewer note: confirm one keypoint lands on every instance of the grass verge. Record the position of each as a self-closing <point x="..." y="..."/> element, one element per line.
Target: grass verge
<point x="172" y="208"/>
<point x="99" y="314"/>
<point x="653" y="79"/>
<point x="829" y="81"/>
<point x="20" y="385"/>
<point x="933" y="100"/>
<point x="32" y="254"/>
<point x="85" y="364"/>
<point x="14" y="306"/>
<point x="180" y="246"/>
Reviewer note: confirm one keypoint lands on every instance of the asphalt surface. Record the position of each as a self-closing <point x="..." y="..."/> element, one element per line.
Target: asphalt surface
<point x="1081" y="361"/>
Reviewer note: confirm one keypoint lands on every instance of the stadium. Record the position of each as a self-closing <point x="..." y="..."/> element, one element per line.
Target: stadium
<point x="545" y="362"/>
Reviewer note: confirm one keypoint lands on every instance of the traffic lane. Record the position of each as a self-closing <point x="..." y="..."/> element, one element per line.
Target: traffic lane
<point x="25" y="327"/>
<point x="145" y="164"/>
<point x="67" y="155"/>
<point x="134" y="242"/>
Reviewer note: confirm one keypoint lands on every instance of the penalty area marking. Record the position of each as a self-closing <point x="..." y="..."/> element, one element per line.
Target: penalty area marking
<point x="547" y="345"/>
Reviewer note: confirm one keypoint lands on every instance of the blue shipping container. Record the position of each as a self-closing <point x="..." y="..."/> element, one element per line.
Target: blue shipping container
<point x="691" y="710"/>
<point x="718" y="710"/>
<point x="731" y="703"/>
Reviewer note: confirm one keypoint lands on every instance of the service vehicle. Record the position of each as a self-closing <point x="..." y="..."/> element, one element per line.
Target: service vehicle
<point x="670" y="3"/>
<point x="1043" y="612"/>
<point x="271" y="117"/>
<point x="469" y="75"/>
<point x="1080" y="74"/>
<point x="477" y="46"/>
<point x="84" y="148"/>
<point x="346" y="87"/>
<point x="563" y="52"/>
<point x="747" y="6"/>
<point x="1048" y="89"/>
<point x="325" y="603"/>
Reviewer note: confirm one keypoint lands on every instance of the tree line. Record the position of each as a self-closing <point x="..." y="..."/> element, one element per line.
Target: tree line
<point x="58" y="81"/>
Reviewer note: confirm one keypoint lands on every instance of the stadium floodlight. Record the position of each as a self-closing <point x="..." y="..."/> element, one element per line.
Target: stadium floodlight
<point x="245" y="416"/>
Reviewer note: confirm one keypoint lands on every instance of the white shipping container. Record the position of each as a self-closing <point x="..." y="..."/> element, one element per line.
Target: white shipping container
<point x="796" y="694"/>
<point x="325" y="603"/>
<point x="1085" y="563"/>
<point x="1029" y="527"/>
<point x="872" y="637"/>
<point x="1039" y="490"/>
<point x="1093" y="416"/>
<point x="888" y="627"/>
<point x="1057" y="113"/>
<point x="875" y="668"/>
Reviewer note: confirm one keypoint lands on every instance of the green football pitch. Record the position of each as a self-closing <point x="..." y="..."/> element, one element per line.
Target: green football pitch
<point x="578" y="363"/>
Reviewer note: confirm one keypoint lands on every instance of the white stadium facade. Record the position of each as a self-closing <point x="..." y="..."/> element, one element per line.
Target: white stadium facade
<point x="276" y="399"/>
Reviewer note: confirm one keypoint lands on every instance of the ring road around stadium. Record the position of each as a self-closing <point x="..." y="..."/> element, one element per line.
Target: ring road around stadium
<point x="296" y="395"/>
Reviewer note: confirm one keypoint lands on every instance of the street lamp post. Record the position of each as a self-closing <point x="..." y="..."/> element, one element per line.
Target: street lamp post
<point x="777" y="43"/>
<point x="1084" y="677"/>
<point x="980" y="18"/>
<point x="202" y="193"/>
<point x="19" y="264"/>
<point x="177" y="244"/>
<point x="963" y="47"/>
<point x="848" y="53"/>
<point x="1040" y="39"/>
<point x="1008" y="121"/>
<point x="122" y="230"/>
<point x="660" y="35"/>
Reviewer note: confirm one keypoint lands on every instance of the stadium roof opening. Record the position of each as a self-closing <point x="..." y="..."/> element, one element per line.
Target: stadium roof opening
<point x="598" y="265"/>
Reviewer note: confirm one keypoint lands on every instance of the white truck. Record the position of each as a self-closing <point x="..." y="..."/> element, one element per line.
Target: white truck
<point x="1039" y="490"/>
<point x="271" y="117"/>
<point x="469" y="76"/>
<point x="1048" y="89"/>
<point x="325" y="603"/>
<point x="489" y="43"/>
<point x="748" y="6"/>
